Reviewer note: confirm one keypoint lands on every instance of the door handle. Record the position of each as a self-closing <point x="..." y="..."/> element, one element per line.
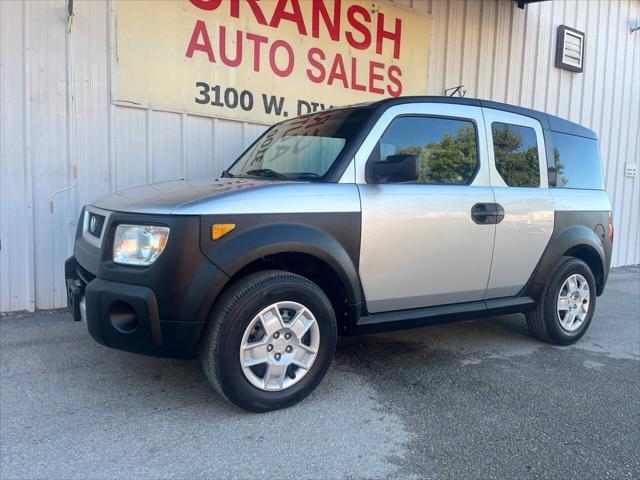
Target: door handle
<point x="487" y="213"/>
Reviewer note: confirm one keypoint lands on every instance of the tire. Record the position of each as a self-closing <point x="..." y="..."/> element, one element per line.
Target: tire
<point x="550" y="324"/>
<point x="274" y="294"/>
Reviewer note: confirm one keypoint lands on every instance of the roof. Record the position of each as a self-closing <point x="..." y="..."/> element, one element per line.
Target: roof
<point x="548" y="122"/>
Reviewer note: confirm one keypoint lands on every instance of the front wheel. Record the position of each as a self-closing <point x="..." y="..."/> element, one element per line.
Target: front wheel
<point x="567" y="304"/>
<point x="269" y="341"/>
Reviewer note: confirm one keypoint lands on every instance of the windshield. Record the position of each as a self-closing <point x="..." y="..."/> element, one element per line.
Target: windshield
<point x="302" y="148"/>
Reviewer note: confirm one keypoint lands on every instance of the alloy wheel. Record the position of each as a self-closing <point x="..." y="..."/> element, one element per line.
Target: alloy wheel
<point x="573" y="302"/>
<point x="279" y="346"/>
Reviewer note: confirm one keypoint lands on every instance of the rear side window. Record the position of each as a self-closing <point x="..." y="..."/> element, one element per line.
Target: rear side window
<point x="516" y="153"/>
<point x="577" y="160"/>
<point x="447" y="147"/>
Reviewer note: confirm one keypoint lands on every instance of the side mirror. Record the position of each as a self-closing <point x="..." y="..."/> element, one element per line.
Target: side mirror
<point x="552" y="176"/>
<point x="396" y="168"/>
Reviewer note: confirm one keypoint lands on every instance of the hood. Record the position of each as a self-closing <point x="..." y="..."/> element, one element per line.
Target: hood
<point x="168" y="197"/>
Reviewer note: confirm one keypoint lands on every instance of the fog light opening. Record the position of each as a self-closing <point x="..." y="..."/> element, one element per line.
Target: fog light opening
<point x="123" y="317"/>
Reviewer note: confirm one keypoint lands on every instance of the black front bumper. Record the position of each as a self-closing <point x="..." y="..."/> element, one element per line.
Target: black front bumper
<point x="160" y="310"/>
<point x="127" y="317"/>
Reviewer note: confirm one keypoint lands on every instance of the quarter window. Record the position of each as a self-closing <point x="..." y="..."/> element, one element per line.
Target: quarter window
<point x="516" y="153"/>
<point x="447" y="148"/>
<point x="577" y="161"/>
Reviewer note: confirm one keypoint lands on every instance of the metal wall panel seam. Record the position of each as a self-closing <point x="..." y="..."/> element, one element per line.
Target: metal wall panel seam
<point x="110" y="108"/>
<point x="469" y="60"/>
<point x="477" y="76"/>
<point x="561" y="73"/>
<point x="147" y="146"/>
<point x="460" y="64"/>
<point x="452" y="57"/>
<point x="549" y="77"/>
<point x="429" y="56"/>
<point x="535" y="61"/>
<point x="502" y="61"/>
<point x="496" y="14"/>
<point x="604" y="141"/>
<point x="183" y="146"/>
<point x="611" y="145"/>
<point x="629" y="200"/>
<point x="446" y="49"/>
<point x="588" y="49"/>
<point x="635" y="203"/>
<point x="548" y="45"/>
<point x="599" y="74"/>
<point x="523" y="37"/>
<point x="625" y="212"/>
<point x="539" y="86"/>
<point x="632" y="251"/>
<point x="30" y="267"/>
<point x="577" y="86"/>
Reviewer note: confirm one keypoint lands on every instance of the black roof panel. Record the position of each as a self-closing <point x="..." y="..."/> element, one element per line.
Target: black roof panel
<point x="557" y="124"/>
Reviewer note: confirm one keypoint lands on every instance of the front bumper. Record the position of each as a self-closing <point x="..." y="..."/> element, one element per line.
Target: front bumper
<point x="126" y="317"/>
<point x="160" y="310"/>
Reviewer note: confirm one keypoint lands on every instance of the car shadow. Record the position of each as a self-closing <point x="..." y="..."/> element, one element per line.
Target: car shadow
<point x="110" y="378"/>
<point x="495" y="335"/>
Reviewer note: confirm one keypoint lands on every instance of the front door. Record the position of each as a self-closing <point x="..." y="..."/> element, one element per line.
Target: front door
<point x="421" y="246"/>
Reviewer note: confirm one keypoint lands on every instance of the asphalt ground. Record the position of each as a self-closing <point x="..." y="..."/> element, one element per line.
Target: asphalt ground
<point x="479" y="399"/>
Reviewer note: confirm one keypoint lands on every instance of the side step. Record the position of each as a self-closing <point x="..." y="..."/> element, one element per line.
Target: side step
<point x="420" y="317"/>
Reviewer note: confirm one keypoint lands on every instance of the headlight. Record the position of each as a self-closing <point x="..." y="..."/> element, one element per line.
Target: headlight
<point x="139" y="244"/>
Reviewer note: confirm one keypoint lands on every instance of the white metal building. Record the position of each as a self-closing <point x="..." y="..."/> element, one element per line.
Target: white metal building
<point x="56" y="113"/>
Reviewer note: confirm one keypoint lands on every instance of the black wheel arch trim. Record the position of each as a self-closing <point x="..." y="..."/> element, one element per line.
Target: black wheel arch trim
<point x="574" y="234"/>
<point x="251" y="244"/>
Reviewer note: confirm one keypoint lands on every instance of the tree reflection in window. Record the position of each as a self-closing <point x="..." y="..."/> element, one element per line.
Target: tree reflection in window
<point x="516" y="154"/>
<point x="562" y="180"/>
<point x="446" y="148"/>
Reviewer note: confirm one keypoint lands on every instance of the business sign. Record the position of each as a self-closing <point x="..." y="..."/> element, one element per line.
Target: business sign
<point x="265" y="60"/>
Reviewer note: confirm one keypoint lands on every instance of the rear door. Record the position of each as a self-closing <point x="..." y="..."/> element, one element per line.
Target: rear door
<point x="420" y="245"/>
<point x="518" y="173"/>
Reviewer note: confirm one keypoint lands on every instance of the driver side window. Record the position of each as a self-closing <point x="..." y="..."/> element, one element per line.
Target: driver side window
<point x="446" y="147"/>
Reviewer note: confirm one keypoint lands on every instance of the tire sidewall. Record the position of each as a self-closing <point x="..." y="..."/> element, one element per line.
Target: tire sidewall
<point x="232" y="378"/>
<point x="557" y="333"/>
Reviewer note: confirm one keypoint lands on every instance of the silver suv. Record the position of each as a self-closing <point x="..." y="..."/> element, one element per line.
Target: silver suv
<point x="396" y="214"/>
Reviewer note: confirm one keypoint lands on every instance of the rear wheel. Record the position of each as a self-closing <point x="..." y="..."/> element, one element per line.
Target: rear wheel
<point x="269" y="341"/>
<point x="567" y="304"/>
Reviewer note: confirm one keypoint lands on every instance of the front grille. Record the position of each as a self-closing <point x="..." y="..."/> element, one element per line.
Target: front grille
<point x="95" y="224"/>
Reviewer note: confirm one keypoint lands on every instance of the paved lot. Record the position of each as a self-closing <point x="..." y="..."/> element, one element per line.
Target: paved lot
<point x="478" y="399"/>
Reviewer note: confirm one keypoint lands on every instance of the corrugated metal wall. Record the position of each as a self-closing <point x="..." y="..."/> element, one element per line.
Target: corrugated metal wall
<point x="496" y="50"/>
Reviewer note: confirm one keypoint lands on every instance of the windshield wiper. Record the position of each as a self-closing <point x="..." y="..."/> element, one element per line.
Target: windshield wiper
<point x="306" y="175"/>
<point x="266" y="172"/>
